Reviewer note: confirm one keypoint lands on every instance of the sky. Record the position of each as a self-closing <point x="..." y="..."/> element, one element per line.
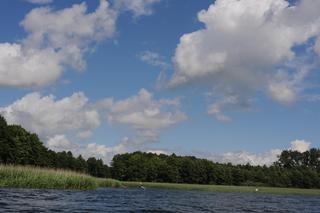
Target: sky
<point x="228" y="80"/>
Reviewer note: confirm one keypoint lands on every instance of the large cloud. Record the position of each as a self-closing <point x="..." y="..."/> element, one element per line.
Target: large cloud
<point x="49" y="117"/>
<point x="245" y="44"/>
<point x="137" y="7"/>
<point x="55" y="39"/>
<point x="145" y="115"/>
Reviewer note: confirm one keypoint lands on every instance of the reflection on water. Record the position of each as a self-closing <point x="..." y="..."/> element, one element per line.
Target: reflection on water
<point x="150" y="200"/>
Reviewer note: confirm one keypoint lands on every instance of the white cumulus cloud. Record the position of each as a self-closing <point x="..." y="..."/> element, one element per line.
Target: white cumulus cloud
<point x="28" y="67"/>
<point x="144" y="114"/>
<point x="243" y="46"/>
<point x="56" y="39"/>
<point x="49" y="117"/>
<point x="300" y="145"/>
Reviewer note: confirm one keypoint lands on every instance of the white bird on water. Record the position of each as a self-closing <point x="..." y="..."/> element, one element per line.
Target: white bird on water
<point x="141" y="186"/>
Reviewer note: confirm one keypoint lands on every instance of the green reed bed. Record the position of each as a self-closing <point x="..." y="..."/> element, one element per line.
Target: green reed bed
<point x="32" y="177"/>
<point x="222" y="188"/>
<point x="107" y="182"/>
<point x="42" y="178"/>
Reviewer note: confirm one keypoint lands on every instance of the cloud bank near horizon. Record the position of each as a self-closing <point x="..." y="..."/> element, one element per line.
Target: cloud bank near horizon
<point x="75" y="118"/>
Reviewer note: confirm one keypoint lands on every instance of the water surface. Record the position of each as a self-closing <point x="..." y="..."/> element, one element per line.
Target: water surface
<point x="150" y="200"/>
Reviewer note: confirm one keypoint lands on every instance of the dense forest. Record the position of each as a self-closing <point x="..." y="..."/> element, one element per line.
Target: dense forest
<point x="18" y="146"/>
<point x="293" y="169"/>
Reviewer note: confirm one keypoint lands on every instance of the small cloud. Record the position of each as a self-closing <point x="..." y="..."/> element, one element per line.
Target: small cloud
<point x="137" y="7"/>
<point x="284" y="88"/>
<point x="232" y="101"/>
<point x="40" y="1"/>
<point x="300" y="145"/>
<point x="158" y="152"/>
<point x="282" y="92"/>
<point x="153" y="58"/>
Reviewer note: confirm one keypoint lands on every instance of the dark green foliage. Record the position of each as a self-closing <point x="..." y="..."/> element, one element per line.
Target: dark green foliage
<point x="19" y="147"/>
<point x="97" y="168"/>
<point x="293" y="169"/>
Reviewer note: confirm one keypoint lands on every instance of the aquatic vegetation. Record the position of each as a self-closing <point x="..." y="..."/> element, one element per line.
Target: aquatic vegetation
<point x="35" y="177"/>
<point x="108" y="182"/>
<point x="44" y="178"/>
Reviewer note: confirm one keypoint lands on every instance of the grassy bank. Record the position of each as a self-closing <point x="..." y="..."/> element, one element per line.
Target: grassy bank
<point x="221" y="188"/>
<point x="31" y="177"/>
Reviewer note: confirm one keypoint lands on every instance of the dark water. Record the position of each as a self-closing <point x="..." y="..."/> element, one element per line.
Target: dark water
<point x="150" y="200"/>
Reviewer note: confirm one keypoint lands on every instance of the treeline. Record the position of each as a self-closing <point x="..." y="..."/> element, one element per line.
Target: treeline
<point x="19" y="147"/>
<point x="293" y="169"/>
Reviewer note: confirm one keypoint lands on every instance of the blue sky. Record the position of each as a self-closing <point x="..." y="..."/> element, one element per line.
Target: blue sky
<point x="234" y="79"/>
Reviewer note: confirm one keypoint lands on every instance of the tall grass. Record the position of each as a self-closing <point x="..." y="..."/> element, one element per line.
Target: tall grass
<point x="32" y="177"/>
<point x="107" y="182"/>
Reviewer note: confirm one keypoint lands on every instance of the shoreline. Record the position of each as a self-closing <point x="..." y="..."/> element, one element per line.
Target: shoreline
<point x="42" y="178"/>
<point x="224" y="188"/>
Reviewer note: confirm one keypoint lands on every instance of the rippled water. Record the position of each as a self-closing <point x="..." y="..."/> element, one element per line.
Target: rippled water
<point x="150" y="200"/>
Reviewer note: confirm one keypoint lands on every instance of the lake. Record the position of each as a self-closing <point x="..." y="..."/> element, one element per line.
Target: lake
<point x="150" y="200"/>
